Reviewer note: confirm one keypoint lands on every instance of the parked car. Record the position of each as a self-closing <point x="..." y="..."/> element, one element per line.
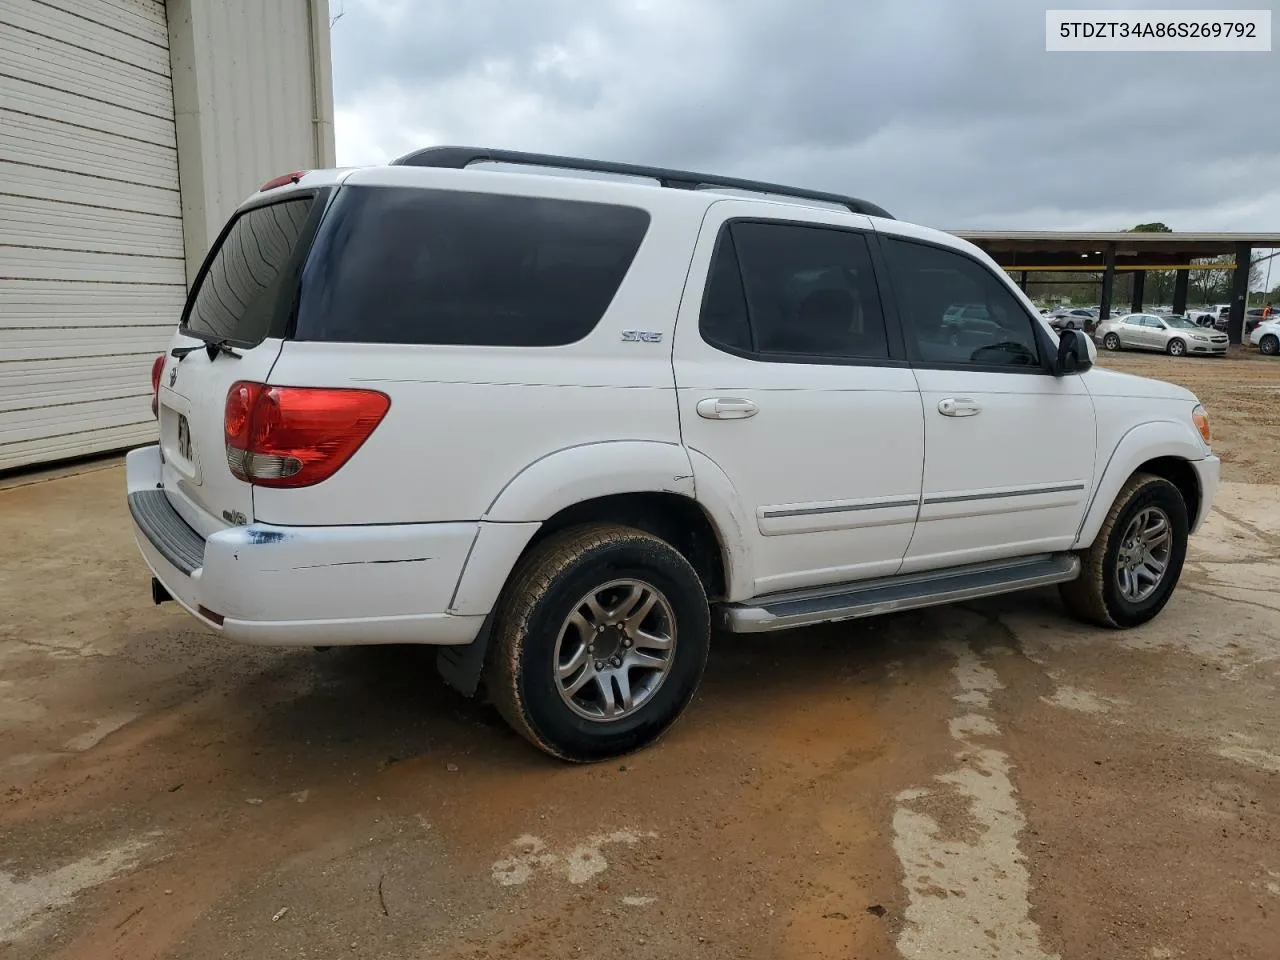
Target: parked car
<point x="561" y="426"/>
<point x="1175" y="336"/>
<point x="1266" y="336"/>
<point x="1077" y="319"/>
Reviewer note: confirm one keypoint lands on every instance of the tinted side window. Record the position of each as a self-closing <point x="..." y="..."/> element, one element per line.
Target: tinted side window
<point x="810" y="291"/>
<point x="723" y="321"/>
<point x="394" y="265"/>
<point x="928" y="281"/>
<point x="249" y="281"/>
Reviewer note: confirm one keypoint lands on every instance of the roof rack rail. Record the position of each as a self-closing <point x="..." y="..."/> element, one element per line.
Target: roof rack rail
<point x="458" y="158"/>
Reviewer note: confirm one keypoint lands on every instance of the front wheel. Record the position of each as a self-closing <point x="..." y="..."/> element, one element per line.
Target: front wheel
<point x="1270" y="345"/>
<point x="1176" y="347"/>
<point x="1129" y="573"/>
<point x="600" y="641"/>
<point x="1111" y="341"/>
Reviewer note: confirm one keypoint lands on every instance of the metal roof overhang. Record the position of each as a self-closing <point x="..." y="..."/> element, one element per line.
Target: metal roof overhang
<point x="1029" y="249"/>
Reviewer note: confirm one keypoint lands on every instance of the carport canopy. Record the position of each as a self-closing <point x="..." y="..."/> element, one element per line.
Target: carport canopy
<point x="1109" y="252"/>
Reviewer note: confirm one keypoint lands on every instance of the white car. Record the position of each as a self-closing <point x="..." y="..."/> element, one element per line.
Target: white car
<point x="1266" y="337"/>
<point x="560" y="427"/>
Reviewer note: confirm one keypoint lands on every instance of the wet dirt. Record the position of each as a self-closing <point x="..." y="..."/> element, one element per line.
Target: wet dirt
<point x="986" y="780"/>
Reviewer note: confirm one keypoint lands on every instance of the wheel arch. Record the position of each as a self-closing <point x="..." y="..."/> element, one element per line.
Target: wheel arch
<point x="558" y="485"/>
<point x="500" y="547"/>
<point x="1165" y="448"/>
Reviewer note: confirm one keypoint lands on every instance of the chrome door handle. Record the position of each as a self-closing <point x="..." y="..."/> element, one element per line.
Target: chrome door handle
<point x="726" y="408"/>
<point x="959" y="407"/>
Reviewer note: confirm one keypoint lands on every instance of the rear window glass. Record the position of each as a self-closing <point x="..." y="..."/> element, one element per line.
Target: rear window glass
<point x="413" y="266"/>
<point x="251" y="279"/>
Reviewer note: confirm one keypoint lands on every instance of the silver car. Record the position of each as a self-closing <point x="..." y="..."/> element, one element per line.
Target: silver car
<point x="1175" y="336"/>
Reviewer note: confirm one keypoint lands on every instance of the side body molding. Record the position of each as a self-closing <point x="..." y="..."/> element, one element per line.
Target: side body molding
<point x="1144" y="442"/>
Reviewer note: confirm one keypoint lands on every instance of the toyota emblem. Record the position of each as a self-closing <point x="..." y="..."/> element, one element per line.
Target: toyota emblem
<point x="173" y="375"/>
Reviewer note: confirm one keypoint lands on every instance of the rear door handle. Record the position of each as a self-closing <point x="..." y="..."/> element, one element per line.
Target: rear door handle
<point x="726" y="408"/>
<point x="959" y="407"/>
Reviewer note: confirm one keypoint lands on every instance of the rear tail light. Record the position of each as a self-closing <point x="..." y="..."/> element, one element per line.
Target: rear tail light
<point x="157" y="368"/>
<point x="296" y="436"/>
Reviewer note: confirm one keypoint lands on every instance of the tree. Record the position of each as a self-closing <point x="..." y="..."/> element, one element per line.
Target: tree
<point x="1213" y="284"/>
<point x="1156" y="227"/>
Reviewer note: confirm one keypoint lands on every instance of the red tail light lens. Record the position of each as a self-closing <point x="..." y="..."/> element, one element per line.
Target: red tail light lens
<point x="157" y="367"/>
<point x="296" y="436"/>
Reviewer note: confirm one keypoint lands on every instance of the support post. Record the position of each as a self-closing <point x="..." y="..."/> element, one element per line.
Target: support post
<point x="1139" y="290"/>
<point x="1180" y="278"/>
<point x="1239" y="292"/>
<point x="1022" y="281"/>
<point x="1108" y="283"/>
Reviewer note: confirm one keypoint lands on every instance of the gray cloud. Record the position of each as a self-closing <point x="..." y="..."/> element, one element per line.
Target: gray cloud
<point x="947" y="112"/>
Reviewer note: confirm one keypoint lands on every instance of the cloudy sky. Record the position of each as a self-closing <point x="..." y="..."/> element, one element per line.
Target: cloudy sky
<point x="946" y="112"/>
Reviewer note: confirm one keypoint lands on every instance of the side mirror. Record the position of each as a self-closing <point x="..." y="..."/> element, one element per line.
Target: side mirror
<point x="1076" y="353"/>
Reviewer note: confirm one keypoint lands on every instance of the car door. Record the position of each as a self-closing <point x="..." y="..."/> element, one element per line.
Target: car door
<point x="1131" y="332"/>
<point x="1009" y="448"/>
<point x="795" y="394"/>
<point x="1156" y="332"/>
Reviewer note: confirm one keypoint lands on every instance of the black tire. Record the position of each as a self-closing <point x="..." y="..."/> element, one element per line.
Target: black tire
<point x="1177" y="347"/>
<point x="1095" y="596"/>
<point x="1270" y="345"/>
<point x="540" y="596"/>
<point x="1111" y="341"/>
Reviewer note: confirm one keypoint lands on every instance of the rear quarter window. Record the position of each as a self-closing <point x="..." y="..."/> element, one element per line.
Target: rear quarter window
<point x="414" y="266"/>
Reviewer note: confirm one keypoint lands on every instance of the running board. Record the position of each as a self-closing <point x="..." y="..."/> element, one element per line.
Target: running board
<point x="869" y="598"/>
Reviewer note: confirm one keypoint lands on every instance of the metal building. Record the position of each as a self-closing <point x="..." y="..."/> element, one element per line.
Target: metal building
<point x="129" y="131"/>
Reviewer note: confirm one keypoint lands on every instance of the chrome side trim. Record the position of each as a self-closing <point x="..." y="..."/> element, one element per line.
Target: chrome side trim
<point x="889" y="594"/>
<point x="1003" y="494"/>
<point x="838" y="508"/>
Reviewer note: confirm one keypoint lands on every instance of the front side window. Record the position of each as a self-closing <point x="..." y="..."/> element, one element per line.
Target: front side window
<point x="416" y="266"/>
<point x="929" y="281"/>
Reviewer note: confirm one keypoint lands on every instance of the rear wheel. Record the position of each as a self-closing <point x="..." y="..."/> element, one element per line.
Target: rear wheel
<point x="1129" y="572"/>
<point x="1270" y="345"/>
<point x="1177" y="347"/>
<point x="1111" y="341"/>
<point x="600" y="641"/>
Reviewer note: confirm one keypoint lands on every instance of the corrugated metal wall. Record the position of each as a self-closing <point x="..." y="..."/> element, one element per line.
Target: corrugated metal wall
<point x="92" y="268"/>
<point x="261" y="58"/>
<point x="99" y="233"/>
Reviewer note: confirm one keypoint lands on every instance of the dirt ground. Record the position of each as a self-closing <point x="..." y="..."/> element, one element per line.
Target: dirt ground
<point x="1242" y="394"/>
<point x="980" y="781"/>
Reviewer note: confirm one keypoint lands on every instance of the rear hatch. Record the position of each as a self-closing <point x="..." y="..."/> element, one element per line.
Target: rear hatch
<point x="232" y="329"/>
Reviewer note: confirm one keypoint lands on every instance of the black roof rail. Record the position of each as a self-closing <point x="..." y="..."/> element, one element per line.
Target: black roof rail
<point x="457" y="158"/>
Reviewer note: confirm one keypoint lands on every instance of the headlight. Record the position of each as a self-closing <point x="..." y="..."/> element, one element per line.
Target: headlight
<point x="1200" y="417"/>
<point x="1198" y="336"/>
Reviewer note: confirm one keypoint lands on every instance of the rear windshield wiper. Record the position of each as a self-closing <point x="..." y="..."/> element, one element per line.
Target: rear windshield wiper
<point x="213" y="345"/>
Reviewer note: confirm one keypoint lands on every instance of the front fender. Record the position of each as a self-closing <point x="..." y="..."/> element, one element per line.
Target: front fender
<point x="1144" y="442"/>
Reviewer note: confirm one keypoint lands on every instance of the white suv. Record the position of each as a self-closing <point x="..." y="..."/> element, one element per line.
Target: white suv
<point x="562" y="425"/>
